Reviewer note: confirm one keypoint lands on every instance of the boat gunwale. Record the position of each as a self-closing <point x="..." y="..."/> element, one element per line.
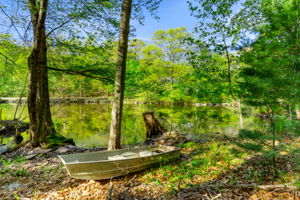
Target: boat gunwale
<point x="113" y="170"/>
<point x="106" y="161"/>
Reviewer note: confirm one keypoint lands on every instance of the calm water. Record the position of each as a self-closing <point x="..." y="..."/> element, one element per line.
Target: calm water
<point x="88" y="124"/>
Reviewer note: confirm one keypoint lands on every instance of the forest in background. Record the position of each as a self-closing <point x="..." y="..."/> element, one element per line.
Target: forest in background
<point x="233" y="56"/>
<point x="244" y="52"/>
<point x="161" y="70"/>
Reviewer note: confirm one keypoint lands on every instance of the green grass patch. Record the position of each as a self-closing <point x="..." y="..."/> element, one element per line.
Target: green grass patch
<point x="206" y="161"/>
<point x="6" y="166"/>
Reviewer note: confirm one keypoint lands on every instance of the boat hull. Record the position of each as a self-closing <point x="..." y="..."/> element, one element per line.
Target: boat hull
<point x="96" y="166"/>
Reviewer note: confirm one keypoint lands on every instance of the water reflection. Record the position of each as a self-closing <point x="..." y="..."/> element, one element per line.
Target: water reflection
<point x="88" y="124"/>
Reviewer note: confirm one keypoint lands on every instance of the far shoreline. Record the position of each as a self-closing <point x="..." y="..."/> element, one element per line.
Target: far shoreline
<point x="105" y="100"/>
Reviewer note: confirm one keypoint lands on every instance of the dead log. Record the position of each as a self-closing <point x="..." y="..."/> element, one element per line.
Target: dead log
<point x="153" y="127"/>
<point x="9" y="126"/>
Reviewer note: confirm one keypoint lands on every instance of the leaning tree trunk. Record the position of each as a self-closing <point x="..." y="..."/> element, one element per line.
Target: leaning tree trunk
<point x="116" y="116"/>
<point x="41" y="123"/>
<point x="153" y="127"/>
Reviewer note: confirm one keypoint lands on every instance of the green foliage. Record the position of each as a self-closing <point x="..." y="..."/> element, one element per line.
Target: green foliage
<point x="163" y="66"/>
<point x="87" y="58"/>
<point x="13" y="68"/>
<point x="272" y="76"/>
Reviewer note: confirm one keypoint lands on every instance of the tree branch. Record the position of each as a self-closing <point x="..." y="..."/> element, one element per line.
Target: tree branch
<point x="8" y="59"/>
<point x="67" y="71"/>
<point x="80" y="73"/>
<point x="25" y="32"/>
<point x="11" y="21"/>
<point x="64" y="23"/>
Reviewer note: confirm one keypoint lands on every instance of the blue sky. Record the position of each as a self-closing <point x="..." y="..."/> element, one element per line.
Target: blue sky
<point x="172" y="13"/>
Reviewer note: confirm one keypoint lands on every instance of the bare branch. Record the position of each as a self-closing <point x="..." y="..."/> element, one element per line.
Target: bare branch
<point x="25" y="33"/>
<point x="64" y="23"/>
<point x="12" y="22"/>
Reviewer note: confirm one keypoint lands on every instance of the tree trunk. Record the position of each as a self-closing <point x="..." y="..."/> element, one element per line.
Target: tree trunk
<point x="272" y="124"/>
<point x="0" y="115"/>
<point x="241" y="115"/>
<point x="116" y="116"/>
<point x="153" y="127"/>
<point x="297" y="112"/>
<point x="41" y="123"/>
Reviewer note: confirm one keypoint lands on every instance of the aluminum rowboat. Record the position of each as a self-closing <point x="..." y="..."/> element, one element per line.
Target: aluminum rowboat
<point x="108" y="164"/>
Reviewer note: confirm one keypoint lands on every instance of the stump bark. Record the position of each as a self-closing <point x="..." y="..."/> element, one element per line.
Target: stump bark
<point x="153" y="127"/>
<point x="18" y="137"/>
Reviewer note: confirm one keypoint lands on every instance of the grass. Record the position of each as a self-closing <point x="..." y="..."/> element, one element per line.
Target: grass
<point x="204" y="162"/>
<point x="218" y="162"/>
<point x="6" y="166"/>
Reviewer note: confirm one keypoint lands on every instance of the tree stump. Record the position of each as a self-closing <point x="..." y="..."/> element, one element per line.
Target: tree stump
<point x="18" y="137"/>
<point x="153" y="127"/>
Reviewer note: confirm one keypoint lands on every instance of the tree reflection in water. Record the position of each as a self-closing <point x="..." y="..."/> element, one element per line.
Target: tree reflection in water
<point x="88" y="124"/>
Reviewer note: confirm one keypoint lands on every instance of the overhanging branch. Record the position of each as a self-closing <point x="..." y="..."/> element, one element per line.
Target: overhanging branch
<point x="80" y="73"/>
<point x="64" y="23"/>
<point x="8" y="59"/>
<point x="66" y="71"/>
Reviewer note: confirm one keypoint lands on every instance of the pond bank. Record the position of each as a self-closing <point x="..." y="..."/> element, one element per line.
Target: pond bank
<point x="208" y="169"/>
<point x="59" y="100"/>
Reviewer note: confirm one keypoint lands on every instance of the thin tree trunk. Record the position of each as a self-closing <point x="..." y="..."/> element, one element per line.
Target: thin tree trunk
<point x="297" y="112"/>
<point x="241" y="115"/>
<point x="41" y="123"/>
<point x="272" y="124"/>
<point x="20" y="98"/>
<point x="228" y="68"/>
<point x="172" y="72"/>
<point x="116" y="117"/>
<point x="290" y="112"/>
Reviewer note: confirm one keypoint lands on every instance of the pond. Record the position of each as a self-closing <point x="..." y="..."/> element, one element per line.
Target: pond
<point x="88" y="124"/>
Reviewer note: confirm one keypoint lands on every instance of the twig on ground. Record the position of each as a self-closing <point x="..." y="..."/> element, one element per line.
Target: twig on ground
<point x="110" y="190"/>
<point x="268" y="193"/>
<point x="219" y="195"/>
